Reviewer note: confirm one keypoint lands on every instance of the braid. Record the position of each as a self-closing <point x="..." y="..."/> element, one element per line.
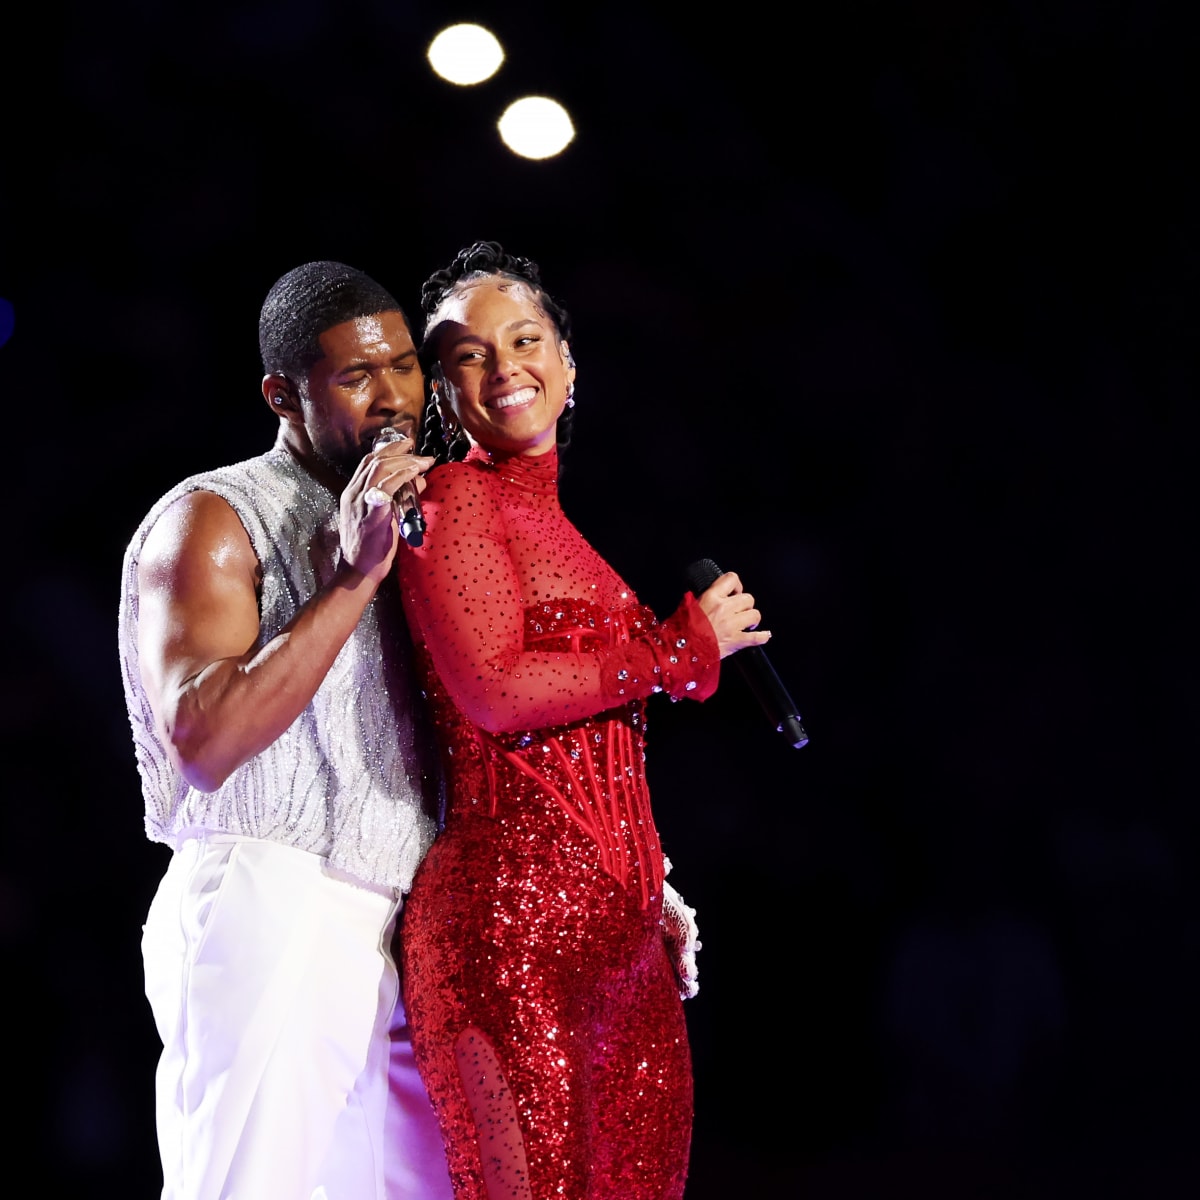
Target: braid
<point x="434" y="441"/>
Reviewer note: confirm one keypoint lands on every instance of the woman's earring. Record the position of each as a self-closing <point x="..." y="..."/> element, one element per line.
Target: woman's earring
<point x="570" y="395"/>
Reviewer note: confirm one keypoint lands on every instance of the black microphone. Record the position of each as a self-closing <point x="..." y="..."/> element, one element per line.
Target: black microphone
<point x="756" y="667"/>
<point x="408" y="507"/>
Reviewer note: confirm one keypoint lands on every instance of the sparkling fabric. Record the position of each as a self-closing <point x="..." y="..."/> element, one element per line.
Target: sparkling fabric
<point x="545" y="1009"/>
<point x="355" y="777"/>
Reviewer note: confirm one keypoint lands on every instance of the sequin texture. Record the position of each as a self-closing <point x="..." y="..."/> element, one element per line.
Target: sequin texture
<point x="545" y="1009"/>
<point x="354" y="778"/>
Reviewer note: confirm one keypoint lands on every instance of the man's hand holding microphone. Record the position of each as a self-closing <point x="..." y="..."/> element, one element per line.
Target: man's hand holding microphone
<point x="385" y="486"/>
<point x="408" y="507"/>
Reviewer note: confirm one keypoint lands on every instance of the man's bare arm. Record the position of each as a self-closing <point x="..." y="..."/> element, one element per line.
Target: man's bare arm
<point x="218" y="699"/>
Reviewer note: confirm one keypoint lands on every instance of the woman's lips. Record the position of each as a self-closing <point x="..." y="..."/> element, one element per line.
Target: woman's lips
<point x="511" y="399"/>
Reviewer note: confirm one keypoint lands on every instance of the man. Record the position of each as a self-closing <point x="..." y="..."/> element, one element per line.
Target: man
<point x="284" y="758"/>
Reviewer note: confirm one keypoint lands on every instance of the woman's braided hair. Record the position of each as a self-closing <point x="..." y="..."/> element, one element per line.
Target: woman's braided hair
<point x="478" y="261"/>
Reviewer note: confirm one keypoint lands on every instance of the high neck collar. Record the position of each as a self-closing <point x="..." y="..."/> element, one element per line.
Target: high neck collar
<point x="534" y="472"/>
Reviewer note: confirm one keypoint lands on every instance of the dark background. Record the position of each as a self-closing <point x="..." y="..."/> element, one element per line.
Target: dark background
<point x="886" y="306"/>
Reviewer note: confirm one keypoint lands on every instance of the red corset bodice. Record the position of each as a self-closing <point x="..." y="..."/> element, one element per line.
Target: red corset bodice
<point x="537" y="659"/>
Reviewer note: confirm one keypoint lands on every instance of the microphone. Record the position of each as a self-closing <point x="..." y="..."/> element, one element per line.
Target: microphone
<point x="408" y="508"/>
<point x="755" y="667"/>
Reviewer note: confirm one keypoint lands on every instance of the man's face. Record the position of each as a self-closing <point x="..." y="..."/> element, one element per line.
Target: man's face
<point x="369" y="377"/>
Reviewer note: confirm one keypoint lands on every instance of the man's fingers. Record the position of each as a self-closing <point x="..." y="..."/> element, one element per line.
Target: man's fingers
<point x="399" y="469"/>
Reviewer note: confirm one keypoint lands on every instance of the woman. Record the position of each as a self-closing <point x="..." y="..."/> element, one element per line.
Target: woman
<point x="545" y="1005"/>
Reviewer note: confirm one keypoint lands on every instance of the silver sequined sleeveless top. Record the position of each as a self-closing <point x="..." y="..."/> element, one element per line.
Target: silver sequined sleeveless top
<point x="355" y="776"/>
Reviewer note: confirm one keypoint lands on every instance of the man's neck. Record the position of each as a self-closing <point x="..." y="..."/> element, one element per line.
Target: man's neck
<point x="302" y="452"/>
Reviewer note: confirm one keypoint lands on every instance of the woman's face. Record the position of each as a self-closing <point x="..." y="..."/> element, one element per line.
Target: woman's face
<point x="505" y="371"/>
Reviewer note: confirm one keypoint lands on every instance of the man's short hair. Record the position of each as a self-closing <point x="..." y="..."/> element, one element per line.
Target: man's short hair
<point x="307" y="301"/>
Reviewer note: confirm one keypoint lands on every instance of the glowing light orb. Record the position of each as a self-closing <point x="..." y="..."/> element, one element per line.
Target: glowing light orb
<point x="536" y="127"/>
<point x="465" y="54"/>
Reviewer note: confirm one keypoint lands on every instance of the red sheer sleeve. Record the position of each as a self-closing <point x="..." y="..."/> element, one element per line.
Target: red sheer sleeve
<point x="499" y="551"/>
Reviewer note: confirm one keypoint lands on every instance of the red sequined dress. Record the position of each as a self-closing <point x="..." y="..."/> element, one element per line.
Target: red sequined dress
<point x="535" y="966"/>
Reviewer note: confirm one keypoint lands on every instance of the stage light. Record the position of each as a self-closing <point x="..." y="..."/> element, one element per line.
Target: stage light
<point x="536" y="127"/>
<point x="465" y="54"/>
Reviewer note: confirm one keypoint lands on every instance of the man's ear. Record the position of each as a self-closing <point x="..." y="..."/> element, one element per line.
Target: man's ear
<point x="279" y="394"/>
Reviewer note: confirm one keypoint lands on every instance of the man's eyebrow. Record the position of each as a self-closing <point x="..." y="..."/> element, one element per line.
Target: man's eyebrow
<point x="363" y="364"/>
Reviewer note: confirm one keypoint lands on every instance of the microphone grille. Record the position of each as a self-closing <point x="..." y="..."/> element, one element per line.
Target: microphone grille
<point x="702" y="573"/>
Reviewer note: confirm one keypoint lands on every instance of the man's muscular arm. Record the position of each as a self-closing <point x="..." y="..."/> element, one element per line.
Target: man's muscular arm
<point x="218" y="699"/>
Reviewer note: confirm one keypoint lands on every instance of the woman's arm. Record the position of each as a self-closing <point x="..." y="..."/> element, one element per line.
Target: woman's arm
<point x="466" y="601"/>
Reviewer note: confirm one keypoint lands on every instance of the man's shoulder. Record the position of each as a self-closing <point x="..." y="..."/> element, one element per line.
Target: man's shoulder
<point x="248" y="470"/>
<point x="237" y="484"/>
<point x="249" y="473"/>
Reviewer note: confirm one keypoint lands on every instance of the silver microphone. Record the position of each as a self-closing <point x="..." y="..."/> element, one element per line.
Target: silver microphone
<point x="408" y="508"/>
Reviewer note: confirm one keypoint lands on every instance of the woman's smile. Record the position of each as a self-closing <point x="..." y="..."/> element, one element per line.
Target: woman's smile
<point x="511" y="399"/>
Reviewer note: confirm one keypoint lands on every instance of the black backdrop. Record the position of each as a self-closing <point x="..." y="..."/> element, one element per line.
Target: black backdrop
<point x="885" y="307"/>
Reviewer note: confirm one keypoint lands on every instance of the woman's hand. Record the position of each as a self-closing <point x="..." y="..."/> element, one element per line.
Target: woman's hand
<point x="732" y="614"/>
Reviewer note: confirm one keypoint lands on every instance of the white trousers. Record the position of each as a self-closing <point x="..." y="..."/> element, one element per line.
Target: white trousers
<point x="286" y="1071"/>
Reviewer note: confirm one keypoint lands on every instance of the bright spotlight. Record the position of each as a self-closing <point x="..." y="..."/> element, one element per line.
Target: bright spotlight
<point x="465" y="54"/>
<point x="536" y="127"/>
